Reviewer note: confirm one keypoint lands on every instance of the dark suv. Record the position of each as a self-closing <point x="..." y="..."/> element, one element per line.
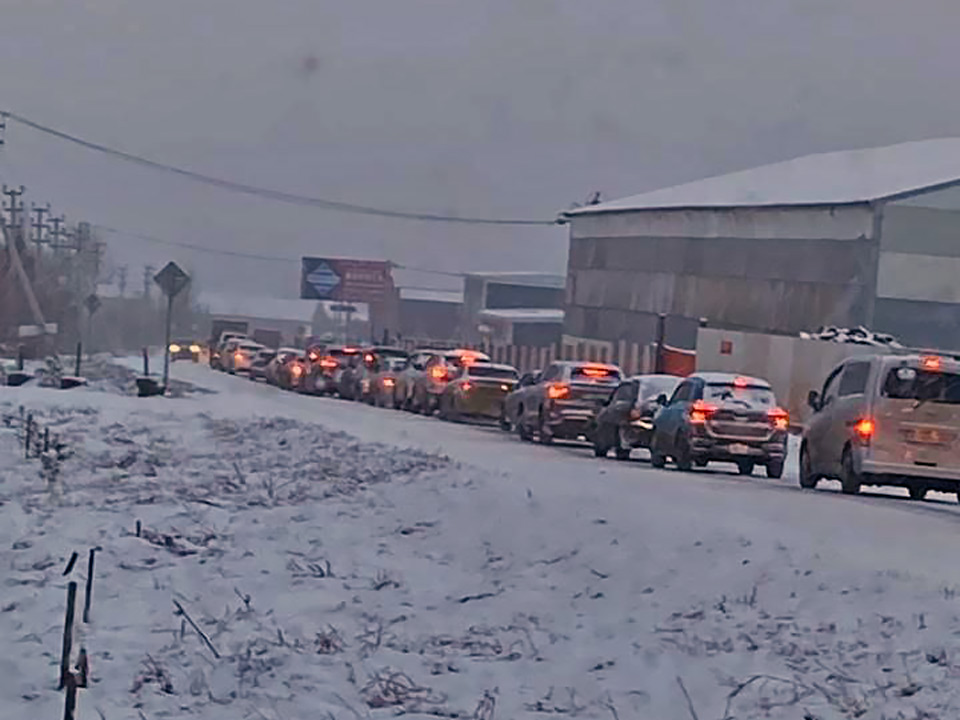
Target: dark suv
<point x="725" y="418"/>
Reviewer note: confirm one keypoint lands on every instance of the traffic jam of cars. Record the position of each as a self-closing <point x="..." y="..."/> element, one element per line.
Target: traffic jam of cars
<point x="891" y="419"/>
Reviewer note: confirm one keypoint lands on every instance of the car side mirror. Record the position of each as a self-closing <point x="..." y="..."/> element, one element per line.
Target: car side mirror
<point x="813" y="400"/>
<point x="661" y="399"/>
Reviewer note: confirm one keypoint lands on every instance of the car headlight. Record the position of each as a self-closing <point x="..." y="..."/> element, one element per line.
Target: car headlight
<point x="174" y="348"/>
<point x="194" y="348"/>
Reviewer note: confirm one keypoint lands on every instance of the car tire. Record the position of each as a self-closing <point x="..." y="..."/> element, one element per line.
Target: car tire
<point x="542" y="432"/>
<point x="682" y="454"/>
<point x="657" y="459"/>
<point x="745" y="467"/>
<point x="917" y="492"/>
<point x="701" y="462"/>
<point x="504" y="421"/>
<point x="808" y="480"/>
<point x="850" y="480"/>
<point x="775" y="469"/>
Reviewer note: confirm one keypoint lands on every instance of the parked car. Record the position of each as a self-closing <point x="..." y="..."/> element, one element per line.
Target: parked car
<point x="513" y="401"/>
<point x="438" y="371"/>
<point x="886" y="420"/>
<point x="217" y="351"/>
<point x="381" y="389"/>
<point x="272" y="372"/>
<point x="725" y="418"/>
<point x="258" y="367"/>
<point x="355" y="379"/>
<point x="185" y="350"/>
<point x="238" y="355"/>
<point x="407" y="379"/>
<point x="626" y="421"/>
<point x="326" y="369"/>
<point x="477" y="390"/>
<point x="292" y="372"/>
<point x="565" y="401"/>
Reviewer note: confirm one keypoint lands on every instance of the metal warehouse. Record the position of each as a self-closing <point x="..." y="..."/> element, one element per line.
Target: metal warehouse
<point x="862" y="237"/>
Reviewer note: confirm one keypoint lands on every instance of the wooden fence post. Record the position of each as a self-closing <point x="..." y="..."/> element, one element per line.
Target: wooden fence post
<point x="67" y="635"/>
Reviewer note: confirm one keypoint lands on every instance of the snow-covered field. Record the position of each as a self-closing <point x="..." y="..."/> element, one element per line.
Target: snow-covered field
<point x="347" y="562"/>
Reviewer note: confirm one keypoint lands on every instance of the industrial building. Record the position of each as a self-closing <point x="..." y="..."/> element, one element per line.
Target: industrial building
<point x="862" y="237"/>
<point x="483" y="292"/>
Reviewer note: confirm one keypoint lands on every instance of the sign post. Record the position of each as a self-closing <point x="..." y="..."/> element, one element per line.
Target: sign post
<point x="92" y="303"/>
<point x="172" y="279"/>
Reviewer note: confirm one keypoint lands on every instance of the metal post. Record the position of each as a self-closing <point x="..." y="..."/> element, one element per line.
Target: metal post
<point x="68" y="634"/>
<point x="166" y="345"/>
<point x="76" y="368"/>
<point x="20" y="358"/>
<point x="146" y="362"/>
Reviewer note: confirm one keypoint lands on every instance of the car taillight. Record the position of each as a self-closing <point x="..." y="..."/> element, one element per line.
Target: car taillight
<point x="296" y="371"/>
<point x="329" y="363"/>
<point x="369" y="358"/>
<point x="466" y="386"/>
<point x="238" y="356"/>
<point x="314" y="356"/>
<point x="865" y="429"/>
<point x="779" y="418"/>
<point x="700" y="411"/>
<point x="557" y="391"/>
<point x="438" y="372"/>
<point x="389" y="382"/>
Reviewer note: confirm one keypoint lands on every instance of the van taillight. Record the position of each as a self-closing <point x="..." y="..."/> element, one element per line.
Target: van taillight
<point x="779" y="418"/>
<point x="557" y="391"/>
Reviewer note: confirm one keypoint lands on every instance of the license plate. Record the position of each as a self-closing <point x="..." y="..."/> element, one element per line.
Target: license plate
<point x="738" y="449"/>
<point x="929" y="436"/>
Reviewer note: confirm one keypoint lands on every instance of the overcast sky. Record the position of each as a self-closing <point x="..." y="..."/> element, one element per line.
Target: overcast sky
<point x="494" y="107"/>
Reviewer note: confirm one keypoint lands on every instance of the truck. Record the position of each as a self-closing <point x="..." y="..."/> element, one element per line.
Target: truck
<point x="220" y="326"/>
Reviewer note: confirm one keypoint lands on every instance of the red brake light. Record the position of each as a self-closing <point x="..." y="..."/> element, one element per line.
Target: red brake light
<point x="740" y="382"/>
<point x="595" y="371"/>
<point x="329" y="363"/>
<point x="296" y="370"/>
<point x="931" y="362"/>
<point x="238" y="356"/>
<point x="438" y="372"/>
<point x="779" y="418"/>
<point x="700" y="411"/>
<point x="557" y="391"/>
<point x="368" y="358"/>
<point x="389" y="382"/>
<point x="865" y="428"/>
<point x="466" y="386"/>
<point x="314" y="355"/>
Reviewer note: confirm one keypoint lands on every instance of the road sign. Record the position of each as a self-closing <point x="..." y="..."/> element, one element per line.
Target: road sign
<point x="345" y="280"/>
<point x="172" y="279"/>
<point x="320" y="281"/>
<point x="92" y="303"/>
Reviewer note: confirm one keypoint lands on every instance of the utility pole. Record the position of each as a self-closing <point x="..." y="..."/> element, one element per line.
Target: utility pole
<point x="56" y="233"/>
<point x="122" y="279"/>
<point x="148" y="271"/>
<point x="40" y="227"/>
<point x="3" y="127"/>
<point x="15" y="205"/>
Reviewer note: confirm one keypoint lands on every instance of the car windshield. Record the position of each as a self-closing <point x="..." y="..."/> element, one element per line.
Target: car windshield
<point x="485" y="371"/>
<point x="594" y="373"/>
<point x="251" y="348"/>
<point x="746" y="395"/>
<point x="922" y="386"/>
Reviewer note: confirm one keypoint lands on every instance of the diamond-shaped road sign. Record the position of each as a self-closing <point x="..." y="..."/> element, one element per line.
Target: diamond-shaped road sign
<point x="172" y="279"/>
<point x="324" y="279"/>
<point x="92" y="303"/>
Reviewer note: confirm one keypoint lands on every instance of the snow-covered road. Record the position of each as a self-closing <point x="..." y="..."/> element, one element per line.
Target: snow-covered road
<point x="460" y="559"/>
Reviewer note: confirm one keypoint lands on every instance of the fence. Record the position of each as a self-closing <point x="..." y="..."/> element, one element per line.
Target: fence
<point x="792" y="365"/>
<point x="633" y="358"/>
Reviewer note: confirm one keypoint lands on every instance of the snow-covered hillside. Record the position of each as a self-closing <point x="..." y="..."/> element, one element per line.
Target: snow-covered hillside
<point x="350" y="562"/>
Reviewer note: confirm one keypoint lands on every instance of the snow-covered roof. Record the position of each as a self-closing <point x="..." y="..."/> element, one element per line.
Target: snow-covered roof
<point x="527" y="279"/>
<point x="525" y="315"/>
<point x="834" y="178"/>
<point x="430" y="295"/>
<point x="266" y="308"/>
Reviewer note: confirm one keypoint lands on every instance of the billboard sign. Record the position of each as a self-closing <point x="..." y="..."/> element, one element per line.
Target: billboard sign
<point x="344" y="280"/>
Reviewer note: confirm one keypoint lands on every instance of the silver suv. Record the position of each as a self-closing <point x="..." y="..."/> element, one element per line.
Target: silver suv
<point x="886" y="420"/>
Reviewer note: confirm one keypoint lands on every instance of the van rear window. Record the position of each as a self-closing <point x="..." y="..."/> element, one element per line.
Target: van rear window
<point x="922" y="386"/>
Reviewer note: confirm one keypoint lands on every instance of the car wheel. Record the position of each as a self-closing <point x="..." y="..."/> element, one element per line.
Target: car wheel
<point x="504" y="421"/>
<point x="775" y="469"/>
<point x="745" y="467"/>
<point x="808" y="480"/>
<point x="917" y="492"/>
<point x="623" y="447"/>
<point x="543" y="433"/>
<point x="682" y="454"/>
<point x="657" y="458"/>
<point x="849" y="478"/>
<point x="701" y="462"/>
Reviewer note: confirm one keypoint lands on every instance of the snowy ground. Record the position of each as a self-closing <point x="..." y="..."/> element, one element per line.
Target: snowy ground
<point x="351" y="562"/>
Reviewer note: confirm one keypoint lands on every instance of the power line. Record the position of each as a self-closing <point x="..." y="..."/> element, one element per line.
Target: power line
<point x="268" y="193"/>
<point x="251" y="256"/>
